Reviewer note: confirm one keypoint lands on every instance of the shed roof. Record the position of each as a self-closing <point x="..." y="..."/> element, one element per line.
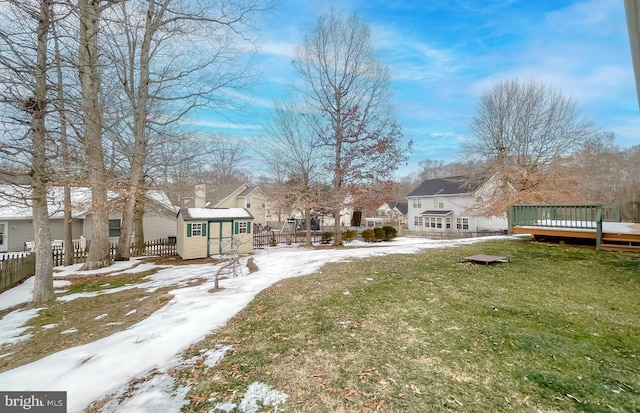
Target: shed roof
<point x="191" y="214"/>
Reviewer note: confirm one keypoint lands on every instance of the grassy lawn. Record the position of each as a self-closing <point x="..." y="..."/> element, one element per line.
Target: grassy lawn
<point x="555" y="330"/>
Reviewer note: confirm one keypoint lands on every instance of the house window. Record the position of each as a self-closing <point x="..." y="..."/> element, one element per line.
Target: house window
<point x="114" y="228"/>
<point x="433" y="222"/>
<point x="417" y="221"/>
<point x="242" y="227"/>
<point x="248" y="202"/>
<point x="448" y="223"/>
<point x="438" y="222"/>
<point x="438" y="202"/>
<point x="417" y="203"/>
<point x="462" y="223"/>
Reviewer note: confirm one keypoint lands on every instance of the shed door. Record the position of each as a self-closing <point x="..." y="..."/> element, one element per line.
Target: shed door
<point x="4" y="239"/>
<point x="220" y="236"/>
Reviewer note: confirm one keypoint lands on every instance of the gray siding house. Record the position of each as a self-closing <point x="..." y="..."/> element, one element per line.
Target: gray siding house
<point x="16" y="225"/>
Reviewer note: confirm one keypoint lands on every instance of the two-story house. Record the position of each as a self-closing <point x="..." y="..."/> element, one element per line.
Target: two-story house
<point x="245" y="196"/>
<point x="449" y="204"/>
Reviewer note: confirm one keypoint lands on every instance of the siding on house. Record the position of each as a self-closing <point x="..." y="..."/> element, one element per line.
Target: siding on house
<point x="158" y="225"/>
<point x="21" y="231"/>
<point x="439" y="205"/>
<point x="159" y="219"/>
<point x="250" y="198"/>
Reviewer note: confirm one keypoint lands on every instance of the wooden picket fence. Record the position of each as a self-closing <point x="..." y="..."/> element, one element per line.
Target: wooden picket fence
<point x="265" y="239"/>
<point x="163" y="247"/>
<point x="16" y="267"/>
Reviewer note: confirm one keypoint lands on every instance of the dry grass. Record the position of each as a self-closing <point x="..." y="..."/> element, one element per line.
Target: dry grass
<point x="61" y="325"/>
<point x="556" y="329"/>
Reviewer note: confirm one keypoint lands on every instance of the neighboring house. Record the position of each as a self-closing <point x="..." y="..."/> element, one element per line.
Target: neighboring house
<point x="448" y="204"/>
<point x="16" y="225"/>
<point x="244" y="196"/>
<point x="394" y="213"/>
<point x="203" y="232"/>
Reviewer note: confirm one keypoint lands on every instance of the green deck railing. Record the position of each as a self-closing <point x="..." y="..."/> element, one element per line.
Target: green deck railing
<point x="564" y="216"/>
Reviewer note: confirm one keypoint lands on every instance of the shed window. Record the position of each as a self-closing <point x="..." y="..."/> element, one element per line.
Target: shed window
<point x="242" y="227"/>
<point x="114" y="228"/>
<point x="196" y="230"/>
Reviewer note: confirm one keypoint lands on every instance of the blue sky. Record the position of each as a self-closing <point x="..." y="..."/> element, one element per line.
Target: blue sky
<point x="443" y="54"/>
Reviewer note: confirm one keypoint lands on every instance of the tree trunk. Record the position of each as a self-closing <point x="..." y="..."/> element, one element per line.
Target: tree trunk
<point x="89" y="13"/>
<point x="307" y="220"/>
<point x="43" y="284"/>
<point x="139" y="98"/>
<point x="68" y="225"/>
<point x="138" y="216"/>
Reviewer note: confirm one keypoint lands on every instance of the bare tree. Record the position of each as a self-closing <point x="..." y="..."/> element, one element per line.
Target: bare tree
<point x="36" y="105"/>
<point x="89" y="12"/>
<point x="227" y="157"/>
<point x="24" y="63"/>
<point x="350" y="90"/>
<point x="519" y="129"/>
<point x="154" y="71"/>
<point x="290" y="145"/>
<point x="432" y="169"/>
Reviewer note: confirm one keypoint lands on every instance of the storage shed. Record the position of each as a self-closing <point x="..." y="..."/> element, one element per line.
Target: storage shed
<point x="203" y="232"/>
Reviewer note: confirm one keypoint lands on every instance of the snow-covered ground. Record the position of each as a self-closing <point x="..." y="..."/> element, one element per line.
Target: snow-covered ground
<point x="103" y="367"/>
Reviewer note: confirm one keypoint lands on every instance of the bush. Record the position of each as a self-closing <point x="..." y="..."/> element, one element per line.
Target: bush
<point x="349" y="235"/>
<point x="389" y="233"/>
<point x="327" y="237"/>
<point x="368" y="235"/>
<point x="379" y="233"/>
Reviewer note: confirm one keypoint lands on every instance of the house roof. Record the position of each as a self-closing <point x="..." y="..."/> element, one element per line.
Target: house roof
<point x="192" y="214"/>
<point x="444" y="186"/>
<point x="437" y="212"/>
<point x="216" y="195"/>
<point x="403" y="207"/>
<point x="15" y="201"/>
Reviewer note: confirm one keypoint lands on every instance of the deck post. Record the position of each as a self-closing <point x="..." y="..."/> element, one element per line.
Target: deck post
<point x="510" y="218"/>
<point x="598" y="226"/>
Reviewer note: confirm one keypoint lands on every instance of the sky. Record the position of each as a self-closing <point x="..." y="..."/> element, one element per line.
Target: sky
<point x="106" y="366"/>
<point x="444" y="54"/>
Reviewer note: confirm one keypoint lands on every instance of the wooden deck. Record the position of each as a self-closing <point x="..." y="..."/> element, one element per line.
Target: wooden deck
<point x="616" y="236"/>
<point x="597" y="225"/>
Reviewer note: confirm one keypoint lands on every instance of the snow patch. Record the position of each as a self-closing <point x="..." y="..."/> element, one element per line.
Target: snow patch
<point x="12" y="325"/>
<point x="69" y="331"/>
<point x="213" y="357"/>
<point x="261" y="392"/>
